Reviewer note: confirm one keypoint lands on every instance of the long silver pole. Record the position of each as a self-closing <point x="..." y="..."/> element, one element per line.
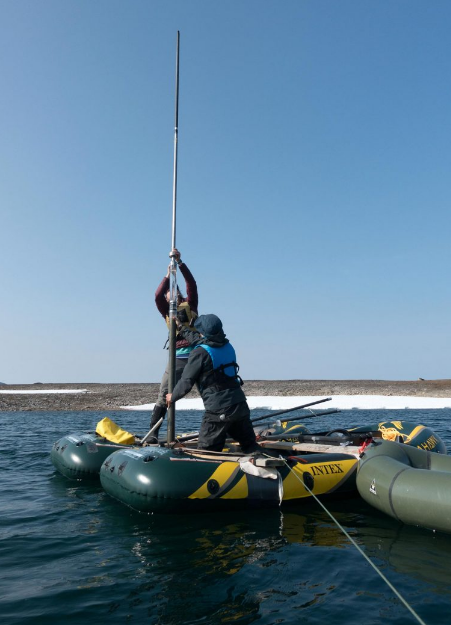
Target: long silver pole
<point x="173" y="269"/>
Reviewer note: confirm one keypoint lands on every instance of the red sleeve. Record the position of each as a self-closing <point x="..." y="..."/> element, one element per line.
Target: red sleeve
<point x="160" y="297"/>
<point x="191" y="287"/>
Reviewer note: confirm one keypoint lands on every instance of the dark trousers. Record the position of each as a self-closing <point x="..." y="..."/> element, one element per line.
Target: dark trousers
<point x="160" y="407"/>
<point x="234" y="422"/>
<point x="179" y="366"/>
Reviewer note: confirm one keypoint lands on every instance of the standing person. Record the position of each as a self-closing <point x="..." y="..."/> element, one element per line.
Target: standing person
<point x="186" y="313"/>
<point x="212" y="367"/>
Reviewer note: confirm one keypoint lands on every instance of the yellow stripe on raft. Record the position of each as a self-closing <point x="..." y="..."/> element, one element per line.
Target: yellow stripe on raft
<point x="222" y="474"/>
<point x="326" y="477"/>
<point x="392" y="434"/>
<point x="294" y="428"/>
<point x="415" y="432"/>
<point x="239" y="491"/>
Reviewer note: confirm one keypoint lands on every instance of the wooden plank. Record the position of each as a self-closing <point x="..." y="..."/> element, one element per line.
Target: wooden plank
<point x="350" y="450"/>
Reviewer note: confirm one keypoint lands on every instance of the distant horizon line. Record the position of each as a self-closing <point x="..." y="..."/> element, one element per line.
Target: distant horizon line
<point x="392" y="380"/>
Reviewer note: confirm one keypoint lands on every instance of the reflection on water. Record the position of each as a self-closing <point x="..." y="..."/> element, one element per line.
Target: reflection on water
<point x="72" y="554"/>
<point x="392" y="546"/>
<point x="223" y="571"/>
<point x="411" y="551"/>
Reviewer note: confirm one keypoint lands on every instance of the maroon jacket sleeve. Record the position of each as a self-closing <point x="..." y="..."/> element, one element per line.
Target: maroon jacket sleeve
<point x="191" y="292"/>
<point x="160" y="297"/>
<point x="191" y="287"/>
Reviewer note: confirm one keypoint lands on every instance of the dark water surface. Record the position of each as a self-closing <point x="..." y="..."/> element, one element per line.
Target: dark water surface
<point x="70" y="554"/>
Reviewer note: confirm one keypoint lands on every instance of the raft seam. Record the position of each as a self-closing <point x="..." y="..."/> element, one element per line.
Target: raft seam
<point x="390" y="490"/>
<point x="362" y="463"/>
<point x="343" y="479"/>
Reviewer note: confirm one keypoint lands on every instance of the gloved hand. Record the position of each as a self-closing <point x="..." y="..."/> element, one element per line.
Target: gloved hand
<point x="176" y="255"/>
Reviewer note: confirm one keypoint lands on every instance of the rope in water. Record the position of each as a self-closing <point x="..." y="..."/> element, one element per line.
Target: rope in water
<point x="389" y="584"/>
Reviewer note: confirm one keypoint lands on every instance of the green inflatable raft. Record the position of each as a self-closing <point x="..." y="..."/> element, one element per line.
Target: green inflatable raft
<point x="289" y="470"/>
<point x="157" y="479"/>
<point x="81" y="454"/>
<point x="411" y="485"/>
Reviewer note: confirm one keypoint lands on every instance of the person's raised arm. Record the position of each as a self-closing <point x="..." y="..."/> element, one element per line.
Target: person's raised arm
<point x="191" y="287"/>
<point x="160" y="296"/>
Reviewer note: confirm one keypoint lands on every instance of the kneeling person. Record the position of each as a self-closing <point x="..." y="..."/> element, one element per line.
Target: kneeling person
<point x="212" y="367"/>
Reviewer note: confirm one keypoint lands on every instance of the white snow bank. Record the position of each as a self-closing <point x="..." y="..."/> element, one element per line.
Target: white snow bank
<point x="341" y="402"/>
<point x="53" y="391"/>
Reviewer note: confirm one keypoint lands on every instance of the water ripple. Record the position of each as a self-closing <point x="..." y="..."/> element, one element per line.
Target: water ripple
<point x="70" y="554"/>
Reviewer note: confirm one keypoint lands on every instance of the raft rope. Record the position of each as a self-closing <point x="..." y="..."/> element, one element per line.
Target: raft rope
<point x="207" y="452"/>
<point x="353" y="542"/>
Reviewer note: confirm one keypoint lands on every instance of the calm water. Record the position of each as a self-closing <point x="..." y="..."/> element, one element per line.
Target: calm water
<point x="71" y="555"/>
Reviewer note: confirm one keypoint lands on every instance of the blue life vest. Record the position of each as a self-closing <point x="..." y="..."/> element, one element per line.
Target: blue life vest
<point x="225" y="369"/>
<point x="222" y="356"/>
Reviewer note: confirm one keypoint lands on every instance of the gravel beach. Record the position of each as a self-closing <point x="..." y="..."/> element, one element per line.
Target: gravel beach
<point x="115" y="396"/>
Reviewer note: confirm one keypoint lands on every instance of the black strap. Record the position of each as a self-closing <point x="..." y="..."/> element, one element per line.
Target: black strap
<point x="236" y="366"/>
<point x="218" y="376"/>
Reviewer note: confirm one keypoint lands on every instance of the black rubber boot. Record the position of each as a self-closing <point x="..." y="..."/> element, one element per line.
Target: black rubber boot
<point x="158" y="412"/>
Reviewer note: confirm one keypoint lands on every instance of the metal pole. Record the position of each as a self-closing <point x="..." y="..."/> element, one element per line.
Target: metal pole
<point x="173" y="268"/>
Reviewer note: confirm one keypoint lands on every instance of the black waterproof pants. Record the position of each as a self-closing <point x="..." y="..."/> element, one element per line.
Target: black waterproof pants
<point x="233" y="422"/>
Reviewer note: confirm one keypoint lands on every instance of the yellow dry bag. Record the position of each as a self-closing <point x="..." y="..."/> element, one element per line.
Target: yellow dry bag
<point x="112" y="432"/>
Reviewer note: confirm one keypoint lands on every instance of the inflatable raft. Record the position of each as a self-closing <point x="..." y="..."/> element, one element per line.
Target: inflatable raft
<point x="81" y="454"/>
<point x="157" y="479"/>
<point x="412" y="434"/>
<point x="409" y="484"/>
<point x="180" y="479"/>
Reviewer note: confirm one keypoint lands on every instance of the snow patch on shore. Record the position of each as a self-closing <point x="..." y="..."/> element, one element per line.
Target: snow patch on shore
<point x="341" y="402"/>
<point x="48" y="392"/>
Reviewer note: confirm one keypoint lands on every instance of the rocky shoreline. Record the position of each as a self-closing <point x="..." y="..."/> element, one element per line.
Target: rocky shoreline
<point x="114" y="396"/>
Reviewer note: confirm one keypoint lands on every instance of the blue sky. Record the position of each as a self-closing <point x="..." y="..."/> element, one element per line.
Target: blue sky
<point x="313" y="184"/>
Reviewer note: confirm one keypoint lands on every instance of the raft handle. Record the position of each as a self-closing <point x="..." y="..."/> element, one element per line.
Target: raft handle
<point x="338" y="431"/>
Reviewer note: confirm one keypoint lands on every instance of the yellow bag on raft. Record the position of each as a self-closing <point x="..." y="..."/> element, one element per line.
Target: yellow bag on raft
<point x="113" y="433"/>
